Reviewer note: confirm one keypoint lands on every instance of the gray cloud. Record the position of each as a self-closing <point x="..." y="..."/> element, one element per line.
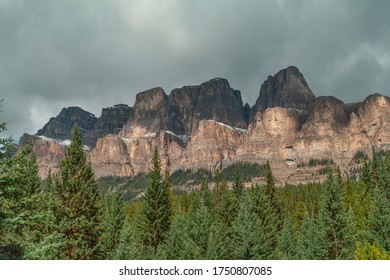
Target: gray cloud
<point x="94" y="54"/>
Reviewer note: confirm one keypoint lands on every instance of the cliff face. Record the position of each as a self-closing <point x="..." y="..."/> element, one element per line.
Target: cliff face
<point x="91" y="128"/>
<point x="61" y="126"/>
<point x="288" y="89"/>
<point x="206" y="127"/>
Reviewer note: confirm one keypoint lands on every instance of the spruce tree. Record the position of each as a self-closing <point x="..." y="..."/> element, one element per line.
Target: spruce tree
<point x="216" y="247"/>
<point x="79" y="204"/>
<point x="268" y="219"/>
<point x="247" y="235"/>
<point x="20" y="191"/>
<point x="336" y="223"/>
<point x="270" y="190"/>
<point x="179" y="245"/>
<point x="127" y="247"/>
<point x="238" y="185"/>
<point x="378" y="224"/>
<point x="112" y="225"/>
<point x="287" y="243"/>
<point x="156" y="213"/>
<point x="309" y="241"/>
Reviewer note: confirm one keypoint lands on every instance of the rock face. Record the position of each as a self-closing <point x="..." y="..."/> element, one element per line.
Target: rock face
<point x="61" y="126"/>
<point x="184" y="108"/>
<point x="206" y="126"/>
<point x="288" y="89"/>
<point x="111" y="121"/>
<point x="48" y="152"/>
<point x="91" y="128"/>
<point x="212" y="100"/>
<point x="149" y="114"/>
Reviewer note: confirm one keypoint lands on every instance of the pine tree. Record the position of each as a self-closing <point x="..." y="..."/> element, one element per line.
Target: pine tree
<point x="156" y="213"/>
<point x="79" y="204"/>
<point x="336" y="224"/>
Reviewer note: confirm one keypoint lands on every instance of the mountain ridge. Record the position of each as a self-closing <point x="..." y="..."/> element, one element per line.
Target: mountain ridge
<point x="207" y="126"/>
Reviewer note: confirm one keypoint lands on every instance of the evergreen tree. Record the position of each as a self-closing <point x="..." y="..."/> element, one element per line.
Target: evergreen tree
<point x="78" y="211"/>
<point x="156" y="213"/>
<point x="226" y="210"/>
<point x="127" y="248"/>
<point x="378" y="224"/>
<point x="371" y="252"/>
<point x="268" y="219"/>
<point x="216" y="247"/>
<point x="336" y="224"/>
<point x="178" y="244"/>
<point x="112" y="225"/>
<point x="247" y="238"/>
<point x="217" y="186"/>
<point x="287" y="243"/>
<point x="309" y="242"/>
<point x="19" y="191"/>
<point x="270" y="191"/>
<point x="238" y="185"/>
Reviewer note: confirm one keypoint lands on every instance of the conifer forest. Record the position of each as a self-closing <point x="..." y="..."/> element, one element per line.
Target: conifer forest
<point x="66" y="216"/>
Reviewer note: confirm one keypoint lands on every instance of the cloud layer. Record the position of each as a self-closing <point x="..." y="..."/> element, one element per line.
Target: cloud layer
<point x="94" y="54"/>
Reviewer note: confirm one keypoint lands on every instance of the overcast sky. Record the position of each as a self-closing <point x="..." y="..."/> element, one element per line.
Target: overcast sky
<point x="95" y="54"/>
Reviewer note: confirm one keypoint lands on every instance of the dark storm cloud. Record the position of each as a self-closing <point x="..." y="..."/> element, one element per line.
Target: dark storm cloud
<point x="93" y="54"/>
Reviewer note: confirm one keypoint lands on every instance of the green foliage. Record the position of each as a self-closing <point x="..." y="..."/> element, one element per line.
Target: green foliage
<point x="359" y="157"/>
<point x="112" y="224"/>
<point x="378" y="224"/>
<point x="78" y="211"/>
<point x="336" y="223"/>
<point x="309" y="241"/>
<point x="129" y="187"/>
<point x="287" y="243"/>
<point x="247" y="234"/>
<point x="156" y="213"/>
<point x="369" y="251"/>
<point x="248" y="170"/>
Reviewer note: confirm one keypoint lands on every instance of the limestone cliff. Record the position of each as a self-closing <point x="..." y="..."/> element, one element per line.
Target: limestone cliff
<point x="207" y="126"/>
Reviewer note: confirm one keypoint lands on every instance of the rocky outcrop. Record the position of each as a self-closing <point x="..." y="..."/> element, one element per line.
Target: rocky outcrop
<point x="91" y="128"/>
<point x="48" y="152"/>
<point x="184" y="108"/>
<point x="111" y="121"/>
<point x="149" y="114"/>
<point x="288" y="89"/>
<point x="61" y="126"/>
<point x="206" y="127"/>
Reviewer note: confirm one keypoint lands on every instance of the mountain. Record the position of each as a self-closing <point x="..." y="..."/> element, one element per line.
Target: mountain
<point x="91" y="128"/>
<point x="287" y="88"/>
<point x="207" y="126"/>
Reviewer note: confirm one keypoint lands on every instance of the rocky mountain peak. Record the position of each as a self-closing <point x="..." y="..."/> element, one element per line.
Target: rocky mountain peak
<point x="61" y="126"/>
<point x="287" y="88"/>
<point x="212" y="100"/>
<point x="149" y="114"/>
